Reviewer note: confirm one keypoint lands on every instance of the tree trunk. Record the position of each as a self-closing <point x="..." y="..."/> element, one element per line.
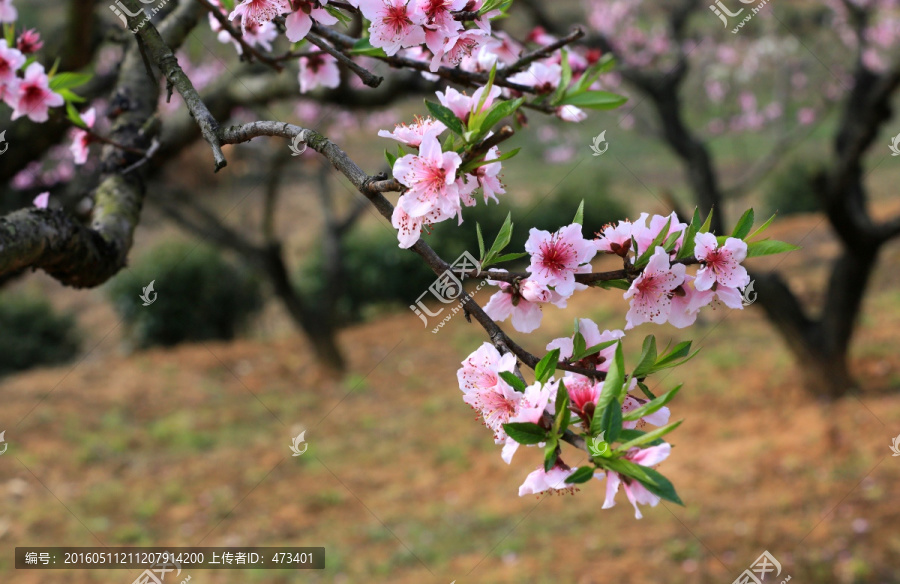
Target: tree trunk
<point x="315" y="324"/>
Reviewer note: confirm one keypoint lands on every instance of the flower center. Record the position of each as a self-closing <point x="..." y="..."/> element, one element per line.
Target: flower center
<point x="397" y="18"/>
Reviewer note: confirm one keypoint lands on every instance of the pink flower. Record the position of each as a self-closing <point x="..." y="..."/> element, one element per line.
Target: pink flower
<point x="318" y="70"/>
<point x="412" y="134"/>
<point x="41" y="201"/>
<point x="635" y="491"/>
<point x="592" y="336"/>
<point x="582" y="391"/>
<point x="488" y="176"/>
<point x="29" y="41"/>
<point x="720" y="265"/>
<point x="439" y="23"/>
<point x="644" y="235"/>
<point x="522" y="302"/>
<point x="254" y="34"/>
<point x="530" y="408"/>
<point x="10" y="61"/>
<point x="540" y="481"/>
<point x="615" y="238"/>
<point x="658" y="418"/>
<point x="259" y="11"/>
<point x="570" y="113"/>
<point x="299" y="22"/>
<point x="81" y="139"/>
<point x="457" y="47"/>
<point x="7" y="11"/>
<point x="396" y="24"/>
<point x="409" y="229"/>
<point x="543" y="77"/>
<point x="556" y="258"/>
<point x="430" y="177"/>
<point x="462" y="105"/>
<point x="687" y="302"/>
<point x="651" y="292"/>
<point x="485" y="390"/>
<point x="34" y="96"/>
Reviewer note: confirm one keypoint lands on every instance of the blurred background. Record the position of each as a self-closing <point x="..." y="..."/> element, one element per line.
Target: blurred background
<point x="282" y="305"/>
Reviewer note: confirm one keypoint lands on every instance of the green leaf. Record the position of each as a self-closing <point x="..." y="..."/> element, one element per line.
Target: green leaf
<point x="603" y="65"/>
<point x="601" y="100"/>
<point x="391" y="159"/>
<point x="546" y="367"/>
<point x="762" y="228"/>
<point x="500" y="242"/>
<point x="620" y="284"/>
<point x="592" y="350"/>
<point x="470" y="166"/>
<point x="612" y="387"/>
<point x="687" y="244"/>
<point x="769" y="247"/>
<point x="646" y="389"/>
<point x="513" y="380"/>
<point x="565" y="78"/>
<point x="500" y="111"/>
<point x="579" y="214"/>
<point x="525" y="432"/>
<point x="628" y="435"/>
<point x="509" y="257"/>
<point x="651" y="406"/>
<point x="69" y="80"/>
<point x="551" y="452"/>
<point x="480" y="240"/>
<point x="648" y="358"/>
<point x="648" y="436"/>
<point x="581" y="475"/>
<point x="563" y="415"/>
<point x="651" y="249"/>
<point x="660" y="486"/>
<point x="611" y="422"/>
<point x="579" y="345"/>
<point x="74" y="116"/>
<point x="69" y="96"/>
<point x="744" y="225"/>
<point x="446" y="116"/>
<point x="364" y="47"/>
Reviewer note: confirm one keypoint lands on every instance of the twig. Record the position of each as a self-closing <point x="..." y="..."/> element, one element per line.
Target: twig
<point x="364" y="75"/>
<point x="236" y="35"/>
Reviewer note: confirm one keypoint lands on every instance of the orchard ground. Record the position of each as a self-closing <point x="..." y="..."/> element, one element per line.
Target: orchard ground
<point x="401" y="484"/>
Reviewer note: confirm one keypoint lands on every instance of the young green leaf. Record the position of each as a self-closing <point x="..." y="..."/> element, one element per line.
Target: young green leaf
<point x="446" y="116"/>
<point x="546" y="367"/>
<point x="651" y="406"/>
<point x="391" y="159"/>
<point x="744" y="225"/>
<point x="627" y="435"/>
<point x="579" y="345"/>
<point x="649" y="436"/>
<point x="600" y="100"/>
<point x="644" y="258"/>
<point x="660" y="486"/>
<point x="581" y="475"/>
<point x="69" y="80"/>
<point x="769" y="247"/>
<point x="687" y="244"/>
<point x="551" y="452"/>
<point x="592" y="350"/>
<point x="364" y="47"/>
<point x="525" y="432"/>
<point x="480" y="240"/>
<point x="579" y="214"/>
<point x="612" y="284"/>
<point x="611" y="422"/>
<point x="513" y="380"/>
<point x="509" y="257"/>
<point x="565" y="78"/>
<point x="761" y="228"/>
<point x="500" y="111"/>
<point x="648" y="358"/>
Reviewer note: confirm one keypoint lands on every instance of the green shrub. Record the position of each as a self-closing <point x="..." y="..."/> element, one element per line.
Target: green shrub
<point x="200" y="295"/>
<point x="32" y="334"/>
<point x="792" y="190"/>
<point x="384" y="275"/>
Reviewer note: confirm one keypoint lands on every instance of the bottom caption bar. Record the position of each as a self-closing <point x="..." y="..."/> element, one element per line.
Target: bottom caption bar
<point x="159" y="561"/>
